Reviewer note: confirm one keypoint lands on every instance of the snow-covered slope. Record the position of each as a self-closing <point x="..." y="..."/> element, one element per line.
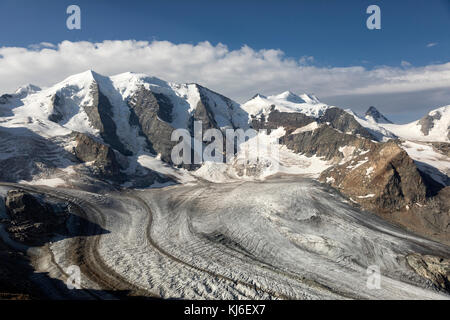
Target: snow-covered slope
<point x="99" y="106"/>
<point x="31" y="109"/>
<point x="373" y="127"/>
<point x="262" y="156"/>
<point x="287" y="101"/>
<point x="430" y="161"/>
<point x="30" y="104"/>
<point x="184" y="97"/>
<point x="435" y="126"/>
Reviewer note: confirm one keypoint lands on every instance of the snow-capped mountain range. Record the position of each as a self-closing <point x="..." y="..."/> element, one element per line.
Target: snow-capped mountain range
<point x="31" y="101"/>
<point x="94" y="134"/>
<point x="130" y="117"/>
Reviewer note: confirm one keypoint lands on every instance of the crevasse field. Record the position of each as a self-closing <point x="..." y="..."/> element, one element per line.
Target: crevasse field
<point x="286" y="238"/>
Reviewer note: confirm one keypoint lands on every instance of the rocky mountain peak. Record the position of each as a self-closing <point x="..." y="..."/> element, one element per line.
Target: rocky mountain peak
<point x="258" y="95"/>
<point x="372" y="114"/>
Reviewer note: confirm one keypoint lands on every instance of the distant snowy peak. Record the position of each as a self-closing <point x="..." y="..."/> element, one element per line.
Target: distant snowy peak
<point x="287" y="101"/>
<point x="20" y="93"/>
<point x="288" y="96"/>
<point x="258" y="95"/>
<point x="26" y="90"/>
<point x="291" y="97"/>
<point x="375" y="129"/>
<point x="435" y="126"/>
<point x="310" y="98"/>
<point x="436" y="122"/>
<point x="373" y="115"/>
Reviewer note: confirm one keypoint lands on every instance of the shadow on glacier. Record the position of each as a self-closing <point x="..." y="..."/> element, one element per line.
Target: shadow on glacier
<point x="434" y="179"/>
<point x="23" y="153"/>
<point x="18" y="277"/>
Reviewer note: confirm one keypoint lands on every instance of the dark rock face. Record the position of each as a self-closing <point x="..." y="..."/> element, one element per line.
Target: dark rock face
<point x="31" y="220"/>
<point x="105" y="162"/>
<point x="442" y="147"/>
<point x="432" y="219"/>
<point x="152" y="113"/>
<point x="4" y="98"/>
<point x="204" y="114"/>
<point x="324" y="141"/>
<point x="258" y="95"/>
<point x="165" y="107"/>
<point x="149" y="112"/>
<point x="288" y="120"/>
<point x="376" y="115"/>
<point x="22" y="206"/>
<point x="208" y="108"/>
<point x="432" y="268"/>
<point x="342" y="121"/>
<point x="427" y="122"/>
<point x="100" y="115"/>
<point x="335" y="129"/>
<point x="56" y="103"/>
<point x="385" y="178"/>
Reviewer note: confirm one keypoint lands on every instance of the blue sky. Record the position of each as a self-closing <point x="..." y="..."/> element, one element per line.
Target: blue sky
<point x="334" y="32"/>
<point x="403" y="69"/>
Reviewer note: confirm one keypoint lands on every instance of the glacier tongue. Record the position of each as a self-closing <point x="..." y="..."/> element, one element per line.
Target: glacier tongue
<point x="282" y="239"/>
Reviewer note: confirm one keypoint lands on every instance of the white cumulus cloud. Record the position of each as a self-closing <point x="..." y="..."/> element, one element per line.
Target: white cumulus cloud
<point x="237" y="74"/>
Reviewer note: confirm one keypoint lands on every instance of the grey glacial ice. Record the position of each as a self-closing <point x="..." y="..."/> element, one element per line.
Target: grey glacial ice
<point x="285" y="238"/>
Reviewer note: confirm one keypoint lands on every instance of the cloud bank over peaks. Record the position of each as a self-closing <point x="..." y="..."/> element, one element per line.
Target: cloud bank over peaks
<point x="238" y="74"/>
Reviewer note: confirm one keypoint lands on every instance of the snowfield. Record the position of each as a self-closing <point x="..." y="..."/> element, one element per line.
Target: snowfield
<point x="438" y="132"/>
<point x="285" y="102"/>
<point x="412" y="131"/>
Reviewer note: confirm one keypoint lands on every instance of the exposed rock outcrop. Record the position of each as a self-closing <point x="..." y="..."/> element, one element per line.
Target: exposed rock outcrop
<point x="151" y="113"/>
<point x="442" y="147"/>
<point x="289" y="120"/>
<point x="385" y="178"/>
<point x="344" y="122"/>
<point x="104" y="164"/>
<point x="336" y="129"/>
<point x="333" y="117"/>
<point x="386" y="181"/>
<point x="4" y="98"/>
<point x="373" y="114"/>
<point x="433" y="268"/>
<point x="427" y="122"/>
<point x="430" y="219"/>
<point x="56" y="114"/>
<point x="100" y="114"/>
<point x="326" y="142"/>
<point x="203" y="113"/>
<point x="33" y="221"/>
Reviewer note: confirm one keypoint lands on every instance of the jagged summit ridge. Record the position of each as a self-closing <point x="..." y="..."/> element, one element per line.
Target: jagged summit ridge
<point x="373" y="115"/>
